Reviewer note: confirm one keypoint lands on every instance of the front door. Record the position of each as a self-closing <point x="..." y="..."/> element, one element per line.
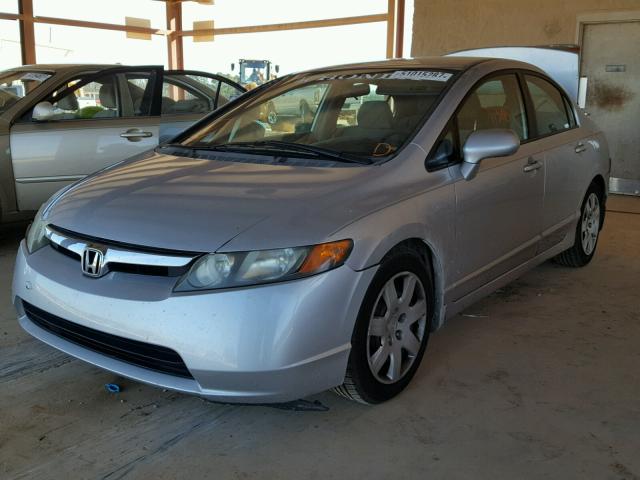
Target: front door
<point x="100" y="119"/>
<point x="499" y="212"/>
<point x="611" y="63"/>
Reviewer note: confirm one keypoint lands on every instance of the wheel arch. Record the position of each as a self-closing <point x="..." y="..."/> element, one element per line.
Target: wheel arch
<point x="433" y="262"/>
<point x="599" y="181"/>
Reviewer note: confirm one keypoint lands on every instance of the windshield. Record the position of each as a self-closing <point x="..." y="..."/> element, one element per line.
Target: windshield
<point x="15" y="85"/>
<point x="365" y="114"/>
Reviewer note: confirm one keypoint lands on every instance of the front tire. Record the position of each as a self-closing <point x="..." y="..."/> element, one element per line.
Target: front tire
<point x="391" y="331"/>
<point x="587" y="230"/>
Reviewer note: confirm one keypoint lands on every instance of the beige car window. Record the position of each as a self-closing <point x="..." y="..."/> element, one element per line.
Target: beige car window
<point x="178" y="99"/>
<point x="227" y="93"/>
<point x="97" y="99"/>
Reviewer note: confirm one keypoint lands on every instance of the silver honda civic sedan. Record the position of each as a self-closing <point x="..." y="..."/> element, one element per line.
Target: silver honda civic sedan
<point x="255" y="261"/>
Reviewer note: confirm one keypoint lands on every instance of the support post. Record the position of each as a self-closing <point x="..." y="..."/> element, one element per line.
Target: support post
<point x="174" y="38"/>
<point x="27" y="33"/>
<point x="400" y="29"/>
<point x="391" y="22"/>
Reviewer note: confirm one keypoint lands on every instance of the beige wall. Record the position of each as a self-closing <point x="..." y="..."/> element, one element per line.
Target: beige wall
<point x="441" y="26"/>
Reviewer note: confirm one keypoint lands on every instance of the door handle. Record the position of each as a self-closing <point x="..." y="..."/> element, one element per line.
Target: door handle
<point x="135" y="134"/>
<point x="532" y="165"/>
<point x="580" y="147"/>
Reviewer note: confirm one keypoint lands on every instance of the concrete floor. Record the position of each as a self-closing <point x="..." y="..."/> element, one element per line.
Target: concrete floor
<point x="541" y="380"/>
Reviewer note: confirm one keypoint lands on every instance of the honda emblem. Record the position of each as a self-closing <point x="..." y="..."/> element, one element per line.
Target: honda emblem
<point x="92" y="262"/>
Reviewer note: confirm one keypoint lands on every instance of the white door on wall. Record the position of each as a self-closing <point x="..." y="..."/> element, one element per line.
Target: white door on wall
<point x="611" y="63"/>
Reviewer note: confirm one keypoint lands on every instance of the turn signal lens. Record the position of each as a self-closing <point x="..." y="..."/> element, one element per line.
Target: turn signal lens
<point x="326" y="256"/>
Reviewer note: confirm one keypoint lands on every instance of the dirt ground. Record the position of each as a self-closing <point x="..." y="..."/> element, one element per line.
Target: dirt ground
<point x="540" y="380"/>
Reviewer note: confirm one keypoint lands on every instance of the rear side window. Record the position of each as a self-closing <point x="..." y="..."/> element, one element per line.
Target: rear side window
<point x="549" y="108"/>
<point x="227" y="93"/>
<point x="496" y="103"/>
<point x="180" y="98"/>
<point x="572" y="117"/>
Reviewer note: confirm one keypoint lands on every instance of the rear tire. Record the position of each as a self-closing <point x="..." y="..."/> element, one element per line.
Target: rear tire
<point x="392" y="329"/>
<point x="587" y="230"/>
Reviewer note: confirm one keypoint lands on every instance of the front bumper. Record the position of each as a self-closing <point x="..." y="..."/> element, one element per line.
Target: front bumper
<point x="271" y="343"/>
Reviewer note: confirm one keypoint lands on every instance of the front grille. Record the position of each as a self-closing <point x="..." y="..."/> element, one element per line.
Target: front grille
<point x="146" y="355"/>
<point x="151" y="261"/>
<point x="65" y="251"/>
<point x="123" y="245"/>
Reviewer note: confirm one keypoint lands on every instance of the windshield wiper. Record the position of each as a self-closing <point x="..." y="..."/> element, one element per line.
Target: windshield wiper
<point x="283" y="147"/>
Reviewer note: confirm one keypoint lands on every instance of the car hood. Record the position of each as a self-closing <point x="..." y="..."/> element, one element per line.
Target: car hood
<point x="199" y="205"/>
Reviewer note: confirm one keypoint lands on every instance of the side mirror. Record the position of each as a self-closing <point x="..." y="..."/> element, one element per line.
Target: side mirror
<point x="486" y="144"/>
<point x="277" y="68"/>
<point x="233" y="67"/>
<point x="43" y="112"/>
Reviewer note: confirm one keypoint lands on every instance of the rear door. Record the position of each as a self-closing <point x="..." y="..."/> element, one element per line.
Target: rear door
<point x="188" y="95"/>
<point x="101" y="119"/>
<point x="566" y="153"/>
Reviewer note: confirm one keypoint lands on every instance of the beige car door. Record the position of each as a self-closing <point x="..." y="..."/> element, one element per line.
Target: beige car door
<point x="189" y="95"/>
<point x="99" y="119"/>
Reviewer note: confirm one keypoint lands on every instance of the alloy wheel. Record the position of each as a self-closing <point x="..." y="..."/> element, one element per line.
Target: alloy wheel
<point x="590" y="224"/>
<point x="396" y="327"/>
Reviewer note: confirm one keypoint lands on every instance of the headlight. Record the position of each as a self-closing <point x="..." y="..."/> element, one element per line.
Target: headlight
<point x="225" y="270"/>
<point x="35" y="234"/>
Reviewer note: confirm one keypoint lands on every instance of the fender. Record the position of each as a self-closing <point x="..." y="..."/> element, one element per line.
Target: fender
<point x="436" y="233"/>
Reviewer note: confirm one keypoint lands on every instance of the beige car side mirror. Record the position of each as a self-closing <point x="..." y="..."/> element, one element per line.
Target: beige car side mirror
<point x="43" y="112"/>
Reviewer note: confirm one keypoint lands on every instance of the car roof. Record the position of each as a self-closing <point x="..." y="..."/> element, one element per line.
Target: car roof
<point x="447" y="63"/>
<point x="64" y="67"/>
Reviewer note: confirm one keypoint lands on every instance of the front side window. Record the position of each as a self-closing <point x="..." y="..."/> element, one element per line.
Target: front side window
<point x="96" y="99"/>
<point x="496" y="103"/>
<point x="113" y="95"/>
<point x="16" y="85"/>
<point x="445" y="152"/>
<point x="548" y="106"/>
<point x="362" y="113"/>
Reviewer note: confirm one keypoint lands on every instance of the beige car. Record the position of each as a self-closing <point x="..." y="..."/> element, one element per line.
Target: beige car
<point x="59" y="123"/>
